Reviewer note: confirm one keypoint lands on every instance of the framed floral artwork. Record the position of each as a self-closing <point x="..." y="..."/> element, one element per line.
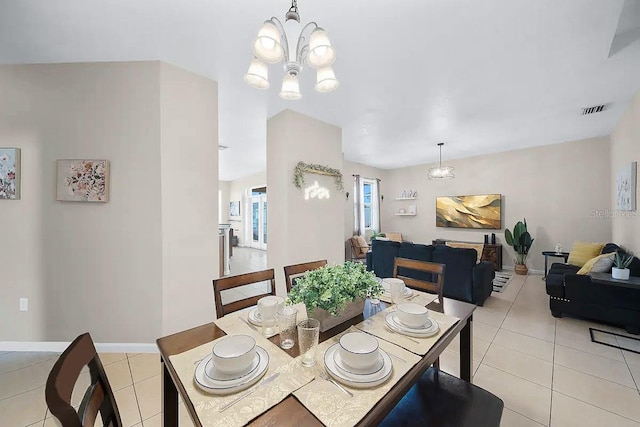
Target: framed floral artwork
<point x="9" y="174"/>
<point x="626" y="187"/>
<point x="83" y="181"/>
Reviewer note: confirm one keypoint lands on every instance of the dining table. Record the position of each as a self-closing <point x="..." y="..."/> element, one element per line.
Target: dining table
<point x="290" y="411"/>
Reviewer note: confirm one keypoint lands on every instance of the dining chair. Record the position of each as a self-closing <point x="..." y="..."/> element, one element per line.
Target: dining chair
<point x="401" y="266"/>
<point x="442" y="400"/>
<point x="298" y="270"/>
<point x="233" y="282"/>
<point x="98" y="397"/>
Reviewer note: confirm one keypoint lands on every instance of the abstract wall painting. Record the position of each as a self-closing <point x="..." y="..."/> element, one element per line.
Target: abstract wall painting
<point x="83" y="181"/>
<point x="234" y="208"/>
<point x="481" y="211"/>
<point x="626" y="187"/>
<point x="9" y="174"/>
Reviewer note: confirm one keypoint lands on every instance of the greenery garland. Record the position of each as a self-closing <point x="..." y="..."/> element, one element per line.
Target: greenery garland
<point x="301" y="168"/>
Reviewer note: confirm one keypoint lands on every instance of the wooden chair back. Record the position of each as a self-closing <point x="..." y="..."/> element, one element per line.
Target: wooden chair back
<point x="98" y="397"/>
<point x="424" y="266"/>
<point x="292" y="271"/>
<point x="225" y="283"/>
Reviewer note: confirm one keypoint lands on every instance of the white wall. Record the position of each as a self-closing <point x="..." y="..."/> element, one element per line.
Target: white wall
<point x="99" y="267"/>
<point x="625" y="148"/>
<point x="223" y="209"/>
<point x="555" y="187"/>
<point x="302" y="230"/>
<point x="189" y="159"/>
<point x="237" y="193"/>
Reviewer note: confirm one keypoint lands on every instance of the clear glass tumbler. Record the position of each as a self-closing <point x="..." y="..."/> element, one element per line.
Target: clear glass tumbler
<point x="287" y="320"/>
<point x="397" y="293"/>
<point x="267" y="308"/>
<point x="308" y="335"/>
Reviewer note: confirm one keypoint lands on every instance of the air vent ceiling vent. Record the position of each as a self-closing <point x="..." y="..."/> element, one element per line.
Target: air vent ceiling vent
<point x="594" y="109"/>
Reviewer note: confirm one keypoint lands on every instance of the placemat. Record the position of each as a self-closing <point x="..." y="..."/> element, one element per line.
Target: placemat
<point x="333" y="407"/>
<point x="376" y="326"/>
<point x="292" y="377"/>
<point x="419" y="297"/>
<point x="238" y="323"/>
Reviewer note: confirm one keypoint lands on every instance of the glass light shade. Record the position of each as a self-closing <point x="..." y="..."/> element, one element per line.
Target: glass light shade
<point x="258" y="74"/>
<point x="326" y="80"/>
<point x="290" y="88"/>
<point x="267" y="45"/>
<point x="321" y="54"/>
<point x="441" y="172"/>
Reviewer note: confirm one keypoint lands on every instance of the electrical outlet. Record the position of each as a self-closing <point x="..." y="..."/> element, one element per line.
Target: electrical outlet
<point x="24" y="304"/>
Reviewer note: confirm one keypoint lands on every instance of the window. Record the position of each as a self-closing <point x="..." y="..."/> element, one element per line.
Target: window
<point x="369" y="204"/>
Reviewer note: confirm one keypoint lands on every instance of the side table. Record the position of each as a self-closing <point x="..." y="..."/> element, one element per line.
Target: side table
<point x="547" y="254"/>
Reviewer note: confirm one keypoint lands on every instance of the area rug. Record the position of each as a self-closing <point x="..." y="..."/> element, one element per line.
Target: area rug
<point x="625" y="342"/>
<point x="501" y="280"/>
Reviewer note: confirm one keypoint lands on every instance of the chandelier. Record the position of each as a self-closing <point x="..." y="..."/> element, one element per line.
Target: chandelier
<point x="272" y="46"/>
<point x="441" y="172"/>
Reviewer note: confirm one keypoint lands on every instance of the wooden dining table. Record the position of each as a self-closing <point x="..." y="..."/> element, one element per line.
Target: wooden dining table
<point x="290" y="412"/>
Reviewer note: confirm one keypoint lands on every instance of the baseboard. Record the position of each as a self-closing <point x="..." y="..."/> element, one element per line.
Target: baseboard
<point x="59" y="347"/>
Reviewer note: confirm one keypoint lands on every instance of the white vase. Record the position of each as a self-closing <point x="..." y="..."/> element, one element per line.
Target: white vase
<point x="620" y="273"/>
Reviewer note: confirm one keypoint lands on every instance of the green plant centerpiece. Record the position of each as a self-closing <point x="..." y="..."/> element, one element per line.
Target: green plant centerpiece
<point x="333" y="294"/>
<point x="521" y="242"/>
<point x="621" y="264"/>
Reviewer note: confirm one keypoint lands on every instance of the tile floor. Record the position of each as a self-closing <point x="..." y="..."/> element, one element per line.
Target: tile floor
<point x="546" y="370"/>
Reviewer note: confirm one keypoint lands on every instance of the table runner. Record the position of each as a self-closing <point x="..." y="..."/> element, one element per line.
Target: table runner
<point x="376" y="326"/>
<point x="334" y="408"/>
<point x="237" y="322"/>
<point x="292" y="377"/>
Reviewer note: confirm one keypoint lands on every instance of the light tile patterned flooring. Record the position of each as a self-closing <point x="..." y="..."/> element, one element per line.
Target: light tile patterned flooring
<point x="546" y="370"/>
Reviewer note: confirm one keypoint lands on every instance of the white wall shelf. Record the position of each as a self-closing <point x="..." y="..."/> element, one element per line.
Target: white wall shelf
<point x="406" y="214"/>
<point x="405" y="198"/>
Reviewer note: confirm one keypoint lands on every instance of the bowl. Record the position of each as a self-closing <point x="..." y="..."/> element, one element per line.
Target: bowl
<point x="359" y="350"/>
<point x="412" y="315"/>
<point x="268" y="306"/>
<point x="389" y="281"/>
<point x="234" y="353"/>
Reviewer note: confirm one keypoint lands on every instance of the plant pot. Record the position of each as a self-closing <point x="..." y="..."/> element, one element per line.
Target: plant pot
<point x="620" y="273"/>
<point x="327" y="321"/>
<point x="521" y="269"/>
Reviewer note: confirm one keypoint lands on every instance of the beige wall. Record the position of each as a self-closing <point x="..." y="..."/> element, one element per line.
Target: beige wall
<point x="237" y="193"/>
<point x="223" y="209"/>
<point x="189" y="167"/>
<point x="625" y="148"/>
<point x="99" y="267"/>
<point x="302" y="230"/>
<point x="556" y="187"/>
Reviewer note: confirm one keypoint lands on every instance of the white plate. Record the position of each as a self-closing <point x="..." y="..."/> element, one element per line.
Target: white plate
<point x="420" y="329"/>
<point x="254" y="317"/>
<point x="350" y="370"/>
<point x="214" y="374"/>
<point x="232" y="385"/>
<point x="397" y="326"/>
<point x="358" y="381"/>
<point x="407" y="293"/>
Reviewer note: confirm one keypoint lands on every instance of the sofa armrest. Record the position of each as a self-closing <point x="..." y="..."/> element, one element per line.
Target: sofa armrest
<point x="483" y="275"/>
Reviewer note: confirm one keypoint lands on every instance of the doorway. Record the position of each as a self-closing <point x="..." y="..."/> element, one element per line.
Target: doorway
<point x="258" y="217"/>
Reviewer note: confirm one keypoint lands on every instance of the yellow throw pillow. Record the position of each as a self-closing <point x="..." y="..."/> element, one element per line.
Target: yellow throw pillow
<point x="479" y="247"/>
<point x="583" y="252"/>
<point x="600" y="264"/>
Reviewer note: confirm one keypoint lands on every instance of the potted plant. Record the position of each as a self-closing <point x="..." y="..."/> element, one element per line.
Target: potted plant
<point x="521" y="242"/>
<point x="376" y="235"/>
<point x="621" y="263"/>
<point x="334" y="294"/>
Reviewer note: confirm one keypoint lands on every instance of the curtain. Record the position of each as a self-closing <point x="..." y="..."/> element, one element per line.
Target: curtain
<point x="357" y="226"/>
<point x="378" y="226"/>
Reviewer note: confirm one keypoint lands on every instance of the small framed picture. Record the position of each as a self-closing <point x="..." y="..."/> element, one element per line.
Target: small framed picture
<point x="234" y="208"/>
<point x="83" y="181"/>
<point x="9" y="174"/>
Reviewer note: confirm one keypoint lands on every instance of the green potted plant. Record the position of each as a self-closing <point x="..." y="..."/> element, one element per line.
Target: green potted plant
<point x="521" y="242"/>
<point x="333" y="294"/>
<point x="621" y="264"/>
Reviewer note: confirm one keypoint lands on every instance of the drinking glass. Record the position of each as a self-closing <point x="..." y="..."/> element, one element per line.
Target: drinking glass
<point x="397" y="292"/>
<point x="372" y="307"/>
<point x="287" y="317"/>
<point x="308" y="335"/>
<point x="267" y="308"/>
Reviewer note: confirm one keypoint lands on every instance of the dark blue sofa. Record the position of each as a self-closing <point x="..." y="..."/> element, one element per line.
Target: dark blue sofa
<point x="464" y="280"/>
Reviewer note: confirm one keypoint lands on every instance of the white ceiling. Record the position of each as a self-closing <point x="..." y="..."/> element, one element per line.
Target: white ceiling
<point x="482" y="76"/>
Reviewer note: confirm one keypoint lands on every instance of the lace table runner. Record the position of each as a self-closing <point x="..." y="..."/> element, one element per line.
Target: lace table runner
<point x="292" y="377"/>
<point x="333" y="407"/>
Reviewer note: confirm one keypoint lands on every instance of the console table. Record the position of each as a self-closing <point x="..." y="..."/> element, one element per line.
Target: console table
<point x="490" y="252"/>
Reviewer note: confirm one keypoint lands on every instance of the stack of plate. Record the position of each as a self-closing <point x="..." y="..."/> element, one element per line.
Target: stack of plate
<point x="210" y="380"/>
<point x="387" y="289"/>
<point x="430" y="328"/>
<point x="357" y="378"/>
<point x="254" y="317"/>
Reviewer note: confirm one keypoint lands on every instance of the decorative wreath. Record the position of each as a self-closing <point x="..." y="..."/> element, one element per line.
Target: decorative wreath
<point x="301" y="168"/>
